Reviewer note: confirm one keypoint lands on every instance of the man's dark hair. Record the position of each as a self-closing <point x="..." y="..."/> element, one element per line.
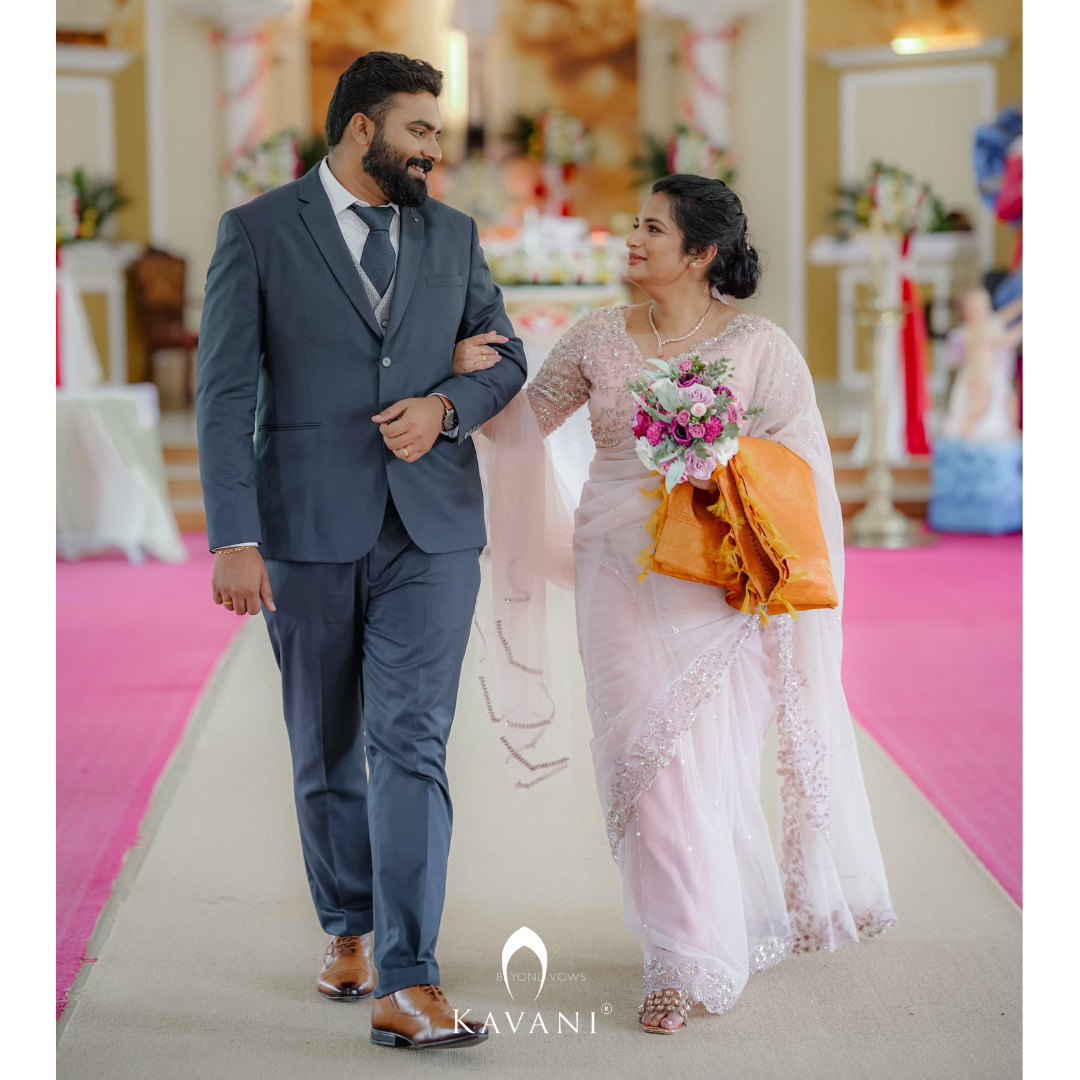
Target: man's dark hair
<point x="370" y="85"/>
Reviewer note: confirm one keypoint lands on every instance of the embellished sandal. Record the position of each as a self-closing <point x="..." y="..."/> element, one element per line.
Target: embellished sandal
<point x="664" y="1002"/>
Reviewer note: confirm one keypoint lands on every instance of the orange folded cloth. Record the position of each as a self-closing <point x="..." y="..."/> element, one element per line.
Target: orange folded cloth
<point x="761" y="541"/>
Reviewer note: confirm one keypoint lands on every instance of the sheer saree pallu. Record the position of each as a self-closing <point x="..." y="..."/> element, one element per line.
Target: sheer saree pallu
<point x="681" y="686"/>
<point x="761" y="539"/>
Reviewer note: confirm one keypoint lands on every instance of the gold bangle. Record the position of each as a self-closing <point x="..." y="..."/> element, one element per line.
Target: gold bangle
<point x="225" y="551"/>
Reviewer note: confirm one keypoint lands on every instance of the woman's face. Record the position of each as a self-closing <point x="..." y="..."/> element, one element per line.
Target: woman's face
<point x="656" y="256"/>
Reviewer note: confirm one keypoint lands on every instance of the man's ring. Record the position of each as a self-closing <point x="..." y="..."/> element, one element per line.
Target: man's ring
<point x="228" y="604"/>
<point x="405" y="451"/>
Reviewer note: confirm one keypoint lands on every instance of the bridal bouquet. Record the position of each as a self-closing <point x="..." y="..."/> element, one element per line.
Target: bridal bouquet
<point x="687" y="422"/>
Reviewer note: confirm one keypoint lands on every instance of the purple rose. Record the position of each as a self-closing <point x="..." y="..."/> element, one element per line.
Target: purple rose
<point x="700" y="395"/>
<point x="655" y="432"/>
<point x="680" y="434"/>
<point x="696" y="431"/>
<point x="689" y="380"/>
<point x="700" y="468"/>
<point x="641" y="423"/>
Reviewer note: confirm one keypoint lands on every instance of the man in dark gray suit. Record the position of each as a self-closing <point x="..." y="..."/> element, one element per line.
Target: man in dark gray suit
<point x="355" y="517"/>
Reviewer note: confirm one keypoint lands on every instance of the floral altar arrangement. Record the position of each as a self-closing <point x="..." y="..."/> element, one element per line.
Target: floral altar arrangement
<point x="687" y="150"/>
<point x="905" y="205"/>
<point x="550" y="249"/>
<point x="687" y="424"/>
<point x="555" y="136"/>
<point x="84" y="205"/>
<point x="269" y="164"/>
<point x="561" y="142"/>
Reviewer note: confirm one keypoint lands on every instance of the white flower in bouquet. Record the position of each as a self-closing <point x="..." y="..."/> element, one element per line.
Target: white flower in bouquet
<point x="688" y="420"/>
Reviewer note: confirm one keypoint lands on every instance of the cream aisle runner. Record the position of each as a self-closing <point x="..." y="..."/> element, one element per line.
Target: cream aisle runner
<point x="208" y="950"/>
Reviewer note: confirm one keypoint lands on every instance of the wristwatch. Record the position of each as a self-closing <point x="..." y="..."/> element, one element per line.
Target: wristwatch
<point x="449" y="419"/>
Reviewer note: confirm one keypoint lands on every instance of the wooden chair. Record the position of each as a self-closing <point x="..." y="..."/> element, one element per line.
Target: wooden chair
<point x="158" y="283"/>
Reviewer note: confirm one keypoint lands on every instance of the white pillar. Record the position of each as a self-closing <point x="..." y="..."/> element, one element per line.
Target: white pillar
<point x="707" y="55"/>
<point x="711" y="28"/>
<point x="241" y="37"/>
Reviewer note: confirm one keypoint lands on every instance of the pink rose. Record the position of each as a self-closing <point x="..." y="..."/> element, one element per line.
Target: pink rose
<point x="700" y="395"/>
<point x="714" y="428"/>
<point x="696" y="431"/>
<point x="682" y="417"/>
<point x="734" y="412"/>
<point x="723" y="389"/>
<point x="686" y="365"/>
<point x="700" y="468"/>
<point x="641" y="423"/>
<point x="654" y="432"/>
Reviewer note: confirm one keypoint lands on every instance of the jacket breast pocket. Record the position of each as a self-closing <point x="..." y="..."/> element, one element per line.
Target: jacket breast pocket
<point x="291" y="427"/>
<point x="444" y="280"/>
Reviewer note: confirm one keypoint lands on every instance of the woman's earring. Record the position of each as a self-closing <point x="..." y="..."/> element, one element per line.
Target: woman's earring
<point x="693" y="263"/>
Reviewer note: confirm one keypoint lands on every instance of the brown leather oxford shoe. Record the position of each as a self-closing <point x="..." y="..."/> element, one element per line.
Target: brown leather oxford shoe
<point x="348" y="973"/>
<point x="421" y="1017"/>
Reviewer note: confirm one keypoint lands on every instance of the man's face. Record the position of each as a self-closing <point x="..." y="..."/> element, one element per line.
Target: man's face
<point x="405" y="148"/>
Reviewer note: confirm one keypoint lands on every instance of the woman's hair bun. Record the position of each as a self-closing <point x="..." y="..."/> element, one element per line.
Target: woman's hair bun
<point x="708" y="212"/>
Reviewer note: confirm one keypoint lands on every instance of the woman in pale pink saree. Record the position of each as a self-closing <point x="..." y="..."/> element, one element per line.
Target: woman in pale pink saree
<point x="682" y="687"/>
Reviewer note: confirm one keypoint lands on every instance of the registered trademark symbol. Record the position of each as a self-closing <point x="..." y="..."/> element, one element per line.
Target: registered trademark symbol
<point x="605" y="1009"/>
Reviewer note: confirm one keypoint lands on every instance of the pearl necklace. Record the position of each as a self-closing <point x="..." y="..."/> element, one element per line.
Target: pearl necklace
<point x="660" y="344"/>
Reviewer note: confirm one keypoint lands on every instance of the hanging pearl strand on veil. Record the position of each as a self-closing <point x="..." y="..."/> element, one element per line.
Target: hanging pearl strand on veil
<point x="669" y="341"/>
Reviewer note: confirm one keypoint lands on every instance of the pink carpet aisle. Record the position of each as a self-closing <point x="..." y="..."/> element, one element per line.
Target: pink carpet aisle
<point x="135" y="645"/>
<point x="933" y="668"/>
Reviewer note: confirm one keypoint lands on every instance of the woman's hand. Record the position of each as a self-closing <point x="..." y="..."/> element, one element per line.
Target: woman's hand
<point x="476" y="353"/>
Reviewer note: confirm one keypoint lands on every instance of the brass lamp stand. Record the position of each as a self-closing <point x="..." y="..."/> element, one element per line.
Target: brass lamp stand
<point x="879" y="524"/>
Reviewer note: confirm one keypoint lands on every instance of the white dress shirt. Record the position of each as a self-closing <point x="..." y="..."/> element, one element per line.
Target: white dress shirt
<point x="353" y="230"/>
<point x="355" y="233"/>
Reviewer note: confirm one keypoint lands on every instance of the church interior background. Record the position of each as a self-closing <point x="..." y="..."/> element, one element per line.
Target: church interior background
<point x="559" y="115"/>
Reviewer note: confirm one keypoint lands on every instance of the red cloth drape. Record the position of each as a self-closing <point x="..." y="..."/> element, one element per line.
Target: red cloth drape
<point x="1010" y="202"/>
<point x="915" y="344"/>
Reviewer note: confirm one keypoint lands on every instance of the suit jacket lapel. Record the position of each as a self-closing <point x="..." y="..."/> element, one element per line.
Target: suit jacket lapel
<point x="410" y="248"/>
<point x="320" y="221"/>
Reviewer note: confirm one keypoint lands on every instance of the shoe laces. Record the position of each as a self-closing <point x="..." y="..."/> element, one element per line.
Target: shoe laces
<point x="349" y="945"/>
<point x="433" y="991"/>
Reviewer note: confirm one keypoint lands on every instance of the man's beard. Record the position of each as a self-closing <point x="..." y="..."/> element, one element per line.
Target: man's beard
<point x="383" y="165"/>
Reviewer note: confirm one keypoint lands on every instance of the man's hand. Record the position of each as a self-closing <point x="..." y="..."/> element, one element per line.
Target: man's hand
<point x="241" y="583"/>
<point x="410" y="427"/>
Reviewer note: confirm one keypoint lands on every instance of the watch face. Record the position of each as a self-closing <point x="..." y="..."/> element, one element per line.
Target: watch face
<point x="449" y="420"/>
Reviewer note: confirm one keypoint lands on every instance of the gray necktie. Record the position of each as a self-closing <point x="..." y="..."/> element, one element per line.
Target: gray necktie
<point x="378" y="260"/>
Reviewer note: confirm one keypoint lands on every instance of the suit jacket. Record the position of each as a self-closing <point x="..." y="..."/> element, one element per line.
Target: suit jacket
<point x="290" y="352"/>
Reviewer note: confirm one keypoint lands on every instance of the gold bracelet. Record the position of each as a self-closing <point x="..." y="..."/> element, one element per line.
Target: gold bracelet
<point x="226" y="551"/>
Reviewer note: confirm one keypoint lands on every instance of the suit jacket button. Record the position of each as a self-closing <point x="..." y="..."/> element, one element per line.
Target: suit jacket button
<point x="386" y="361"/>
